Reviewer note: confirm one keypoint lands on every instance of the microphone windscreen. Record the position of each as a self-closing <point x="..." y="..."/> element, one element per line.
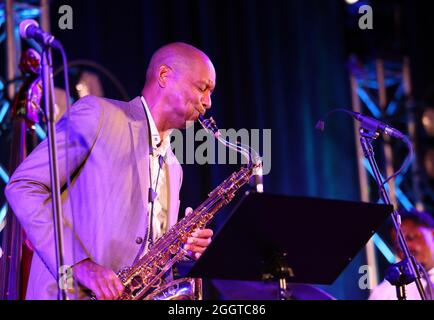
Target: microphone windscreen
<point x="24" y="25"/>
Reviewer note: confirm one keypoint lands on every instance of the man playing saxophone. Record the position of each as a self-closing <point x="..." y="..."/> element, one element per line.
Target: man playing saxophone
<point x="125" y="179"/>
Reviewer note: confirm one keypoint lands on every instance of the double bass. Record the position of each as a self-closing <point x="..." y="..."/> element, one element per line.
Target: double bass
<point x="26" y="111"/>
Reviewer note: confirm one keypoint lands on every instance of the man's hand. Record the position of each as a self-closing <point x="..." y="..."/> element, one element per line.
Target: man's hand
<point x="101" y="281"/>
<point x="199" y="240"/>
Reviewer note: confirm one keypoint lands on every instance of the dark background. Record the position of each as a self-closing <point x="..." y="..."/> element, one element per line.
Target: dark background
<point x="280" y="65"/>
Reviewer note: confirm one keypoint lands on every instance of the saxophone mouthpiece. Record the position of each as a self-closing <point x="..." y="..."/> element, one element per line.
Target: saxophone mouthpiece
<point x="209" y="125"/>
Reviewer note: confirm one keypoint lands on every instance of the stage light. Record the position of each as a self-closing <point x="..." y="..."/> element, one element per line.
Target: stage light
<point x="428" y="121"/>
<point x="429" y="163"/>
<point x="3" y="110"/>
<point x="3" y="175"/>
<point x="384" y="248"/>
<point x="351" y="1"/>
<point x="39" y="131"/>
<point x="401" y="197"/>
<point x="370" y="104"/>
<point x="3" y="212"/>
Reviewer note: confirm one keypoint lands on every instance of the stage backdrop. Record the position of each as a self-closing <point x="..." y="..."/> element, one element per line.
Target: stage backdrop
<point x="281" y="65"/>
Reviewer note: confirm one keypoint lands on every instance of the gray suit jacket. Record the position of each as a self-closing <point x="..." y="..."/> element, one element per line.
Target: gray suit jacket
<point x="106" y="209"/>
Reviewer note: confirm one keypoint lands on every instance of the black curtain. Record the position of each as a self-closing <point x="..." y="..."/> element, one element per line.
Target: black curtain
<point x="280" y="65"/>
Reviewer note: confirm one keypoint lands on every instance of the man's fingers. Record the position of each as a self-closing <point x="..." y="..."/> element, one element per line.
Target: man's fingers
<point x="194" y="248"/>
<point x="188" y="210"/>
<point x="106" y="290"/>
<point x="202" y="242"/>
<point x="199" y="240"/>
<point x="98" y="291"/>
<point x="107" y="285"/>
<point x="202" y="233"/>
<point x="120" y="287"/>
<point x="111" y="285"/>
<point x="94" y="286"/>
<point x="115" y="284"/>
<point x="102" y="281"/>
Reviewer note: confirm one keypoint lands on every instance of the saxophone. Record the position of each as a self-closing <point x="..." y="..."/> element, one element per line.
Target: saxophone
<point x="144" y="279"/>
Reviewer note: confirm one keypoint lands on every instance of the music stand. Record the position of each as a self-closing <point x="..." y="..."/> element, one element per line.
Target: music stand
<point x="289" y="239"/>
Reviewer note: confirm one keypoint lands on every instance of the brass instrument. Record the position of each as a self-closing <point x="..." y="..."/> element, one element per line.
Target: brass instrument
<point x="144" y="279"/>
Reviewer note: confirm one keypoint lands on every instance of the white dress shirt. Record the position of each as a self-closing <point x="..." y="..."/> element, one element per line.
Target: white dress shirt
<point x="385" y="291"/>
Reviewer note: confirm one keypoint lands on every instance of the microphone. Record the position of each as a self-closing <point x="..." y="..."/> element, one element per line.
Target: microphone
<point x="368" y="123"/>
<point x="376" y="125"/>
<point x="29" y="29"/>
<point x="372" y="124"/>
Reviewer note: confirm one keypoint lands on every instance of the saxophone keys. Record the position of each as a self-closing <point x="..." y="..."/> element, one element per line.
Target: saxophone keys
<point x="162" y="259"/>
<point x="137" y="281"/>
<point x="150" y="272"/>
<point x="157" y="283"/>
<point x="174" y="248"/>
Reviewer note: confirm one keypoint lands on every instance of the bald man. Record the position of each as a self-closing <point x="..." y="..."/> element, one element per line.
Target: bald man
<point x="118" y="151"/>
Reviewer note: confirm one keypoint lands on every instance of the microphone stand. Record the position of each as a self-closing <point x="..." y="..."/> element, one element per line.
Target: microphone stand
<point x="366" y="138"/>
<point x="49" y="104"/>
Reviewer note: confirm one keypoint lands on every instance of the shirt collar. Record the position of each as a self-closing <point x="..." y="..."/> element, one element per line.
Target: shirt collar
<point x="157" y="148"/>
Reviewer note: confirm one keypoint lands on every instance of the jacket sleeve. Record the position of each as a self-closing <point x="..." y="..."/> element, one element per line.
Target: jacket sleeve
<point x="29" y="193"/>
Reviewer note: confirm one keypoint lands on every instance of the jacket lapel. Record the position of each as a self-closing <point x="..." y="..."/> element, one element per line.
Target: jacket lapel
<point x="140" y="142"/>
<point x="174" y="172"/>
<point x="142" y="160"/>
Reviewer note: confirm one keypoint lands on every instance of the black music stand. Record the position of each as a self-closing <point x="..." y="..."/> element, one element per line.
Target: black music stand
<point x="289" y="239"/>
